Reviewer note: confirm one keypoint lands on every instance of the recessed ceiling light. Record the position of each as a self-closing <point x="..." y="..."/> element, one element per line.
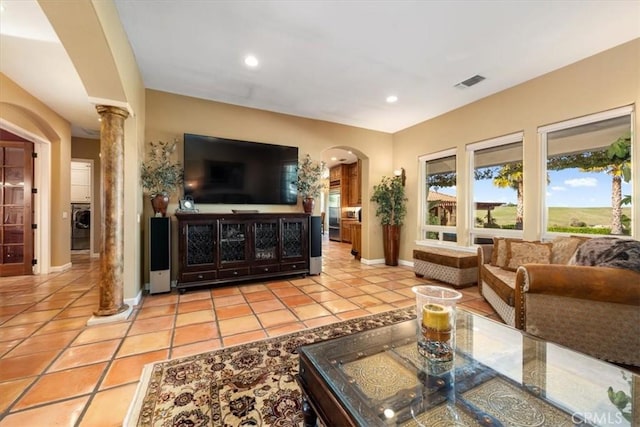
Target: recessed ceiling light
<point x="391" y="99"/>
<point x="251" y="61"/>
<point x="333" y="159"/>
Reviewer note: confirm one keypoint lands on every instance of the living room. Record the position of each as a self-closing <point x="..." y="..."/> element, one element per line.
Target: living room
<point x="600" y="83"/>
<point x="609" y="75"/>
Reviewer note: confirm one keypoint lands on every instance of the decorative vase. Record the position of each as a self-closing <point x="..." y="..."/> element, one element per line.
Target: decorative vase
<point x="391" y="241"/>
<point x="160" y="202"/>
<point x="307" y="204"/>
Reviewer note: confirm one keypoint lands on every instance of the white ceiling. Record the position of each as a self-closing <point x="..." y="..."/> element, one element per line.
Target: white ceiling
<point x="327" y="60"/>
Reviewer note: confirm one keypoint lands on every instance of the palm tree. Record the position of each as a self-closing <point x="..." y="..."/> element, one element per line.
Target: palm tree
<point x="614" y="160"/>
<point x="510" y="175"/>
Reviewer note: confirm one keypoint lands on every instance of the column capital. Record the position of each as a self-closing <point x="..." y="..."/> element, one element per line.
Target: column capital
<point x="110" y="109"/>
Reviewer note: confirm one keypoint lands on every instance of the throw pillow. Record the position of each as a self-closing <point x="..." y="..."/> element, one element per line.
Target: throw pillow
<point x="494" y="252"/>
<point x="500" y="252"/>
<point x="609" y="252"/>
<point x="523" y="252"/>
<point x="564" y="247"/>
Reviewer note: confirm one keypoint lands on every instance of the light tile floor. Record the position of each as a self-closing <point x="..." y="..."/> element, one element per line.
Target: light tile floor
<point x="55" y="370"/>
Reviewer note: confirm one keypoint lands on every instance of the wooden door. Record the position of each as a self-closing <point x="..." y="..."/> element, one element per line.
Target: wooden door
<point x="16" y="208"/>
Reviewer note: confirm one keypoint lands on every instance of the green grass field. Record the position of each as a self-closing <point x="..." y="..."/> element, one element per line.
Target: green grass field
<point x="561" y="217"/>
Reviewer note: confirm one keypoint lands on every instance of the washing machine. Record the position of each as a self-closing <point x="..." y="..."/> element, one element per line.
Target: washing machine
<point x="80" y="226"/>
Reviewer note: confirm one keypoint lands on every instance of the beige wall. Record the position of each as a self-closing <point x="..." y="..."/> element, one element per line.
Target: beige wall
<point x="100" y="51"/>
<point x="89" y="149"/>
<point x="169" y="116"/>
<point x="134" y="91"/>
<point x="25" y="115"/>
<point x="608" y="80"/>
<point x="605" y="81"/>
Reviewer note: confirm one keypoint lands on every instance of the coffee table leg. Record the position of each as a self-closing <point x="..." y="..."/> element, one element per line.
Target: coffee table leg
<point x="309" y="414"/>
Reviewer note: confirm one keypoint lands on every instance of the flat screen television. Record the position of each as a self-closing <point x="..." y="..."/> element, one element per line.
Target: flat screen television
<point x="219" y="170"/>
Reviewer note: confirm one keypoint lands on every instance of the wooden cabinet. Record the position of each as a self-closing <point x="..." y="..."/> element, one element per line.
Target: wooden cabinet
<point x="335" y="175"/>
<point x="355" y="183"/>
<point x="356" y="240"/>
<point x="222" y="248"/>
<point x="80" y="182"/>
<point x="345" y="229"/>
<point x="345" y="187"/>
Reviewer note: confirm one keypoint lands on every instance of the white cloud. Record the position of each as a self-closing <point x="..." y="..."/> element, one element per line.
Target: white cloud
<point x="558" y="188"/>
<point x="581" y="182"/>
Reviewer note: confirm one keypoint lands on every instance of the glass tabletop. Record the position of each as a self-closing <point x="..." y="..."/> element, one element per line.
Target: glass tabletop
<point x="501" y="377"/>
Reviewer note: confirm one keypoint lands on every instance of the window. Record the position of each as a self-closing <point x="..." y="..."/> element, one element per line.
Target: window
<point x="439" y="203"/>
<point x="588" y="174"/>
<point x="497" y="187"/>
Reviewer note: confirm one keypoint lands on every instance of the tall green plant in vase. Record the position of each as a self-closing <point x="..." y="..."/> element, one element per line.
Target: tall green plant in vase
<point x="160" y="175"/>
<point x="309" y="182"/>
<point x="391" y="209"/>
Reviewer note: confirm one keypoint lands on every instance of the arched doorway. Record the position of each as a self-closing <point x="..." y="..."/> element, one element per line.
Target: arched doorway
<point x="343" y="204"/>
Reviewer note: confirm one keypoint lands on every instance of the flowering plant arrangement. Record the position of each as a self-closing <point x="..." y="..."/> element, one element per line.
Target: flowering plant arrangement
<point x="310" y="181"/>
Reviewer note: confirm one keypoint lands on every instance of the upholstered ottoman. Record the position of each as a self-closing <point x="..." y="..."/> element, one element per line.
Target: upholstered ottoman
<point x="457" y="268"/>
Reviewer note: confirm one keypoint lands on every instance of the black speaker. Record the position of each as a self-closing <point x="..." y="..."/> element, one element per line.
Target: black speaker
<point x="315" y="247"/>
<point x="316" y="236"/>
<point x="159" y="250"/>
<point x="160" y="254"/>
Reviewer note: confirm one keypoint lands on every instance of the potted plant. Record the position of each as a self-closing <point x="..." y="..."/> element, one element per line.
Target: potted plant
<point x="160" y="176"/>
<point x="309" y="181"/>
<point x="390" y="197"/>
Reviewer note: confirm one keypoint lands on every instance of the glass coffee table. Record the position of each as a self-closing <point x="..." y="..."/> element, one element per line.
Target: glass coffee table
<point x="502" y="376"/>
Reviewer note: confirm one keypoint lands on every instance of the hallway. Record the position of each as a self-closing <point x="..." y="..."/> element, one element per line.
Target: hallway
<point x="56" y="370"/>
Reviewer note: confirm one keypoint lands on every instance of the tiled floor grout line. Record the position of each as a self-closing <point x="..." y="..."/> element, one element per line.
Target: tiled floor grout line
<point x="340" y="273"/>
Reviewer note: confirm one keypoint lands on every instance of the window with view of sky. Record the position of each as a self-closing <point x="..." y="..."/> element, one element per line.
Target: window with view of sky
<point x="588" y="172"/>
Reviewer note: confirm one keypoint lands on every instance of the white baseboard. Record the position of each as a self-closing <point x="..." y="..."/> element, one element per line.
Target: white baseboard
<point x="60" y="268"/>
<point x="131" y="302"/>
<point x="381" y="261"/>
<point x="407" y="263"/>
<point x="372" y="261"/>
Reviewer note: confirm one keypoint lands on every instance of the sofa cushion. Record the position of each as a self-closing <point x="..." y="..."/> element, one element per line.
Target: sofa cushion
<point x="497" y="249"/>
<point x="502" y="282"/>
<point x="500" y="252"/>
<point x="564" y="247"/>
<point x="608" y="252"/>
<point x="522" y="252"/>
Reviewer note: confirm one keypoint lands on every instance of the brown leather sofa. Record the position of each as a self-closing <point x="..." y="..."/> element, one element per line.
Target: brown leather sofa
<point x="592" y="309"/>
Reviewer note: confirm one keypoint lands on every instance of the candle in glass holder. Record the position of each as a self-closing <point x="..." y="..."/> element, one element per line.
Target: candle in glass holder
<point x="436" y="322"/>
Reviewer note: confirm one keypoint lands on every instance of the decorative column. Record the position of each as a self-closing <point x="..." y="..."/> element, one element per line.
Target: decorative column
<point x="112" y="247"/>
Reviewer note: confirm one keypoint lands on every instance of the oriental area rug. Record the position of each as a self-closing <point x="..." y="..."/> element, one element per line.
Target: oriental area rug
<point x="251" y="384"/>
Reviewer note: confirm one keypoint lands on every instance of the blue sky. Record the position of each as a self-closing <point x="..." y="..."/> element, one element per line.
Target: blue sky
<point x="567" y="188"/>
<point x="570" y="187"/>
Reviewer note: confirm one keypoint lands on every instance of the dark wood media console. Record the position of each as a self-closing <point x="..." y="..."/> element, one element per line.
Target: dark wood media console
<point x="223" y="248"/>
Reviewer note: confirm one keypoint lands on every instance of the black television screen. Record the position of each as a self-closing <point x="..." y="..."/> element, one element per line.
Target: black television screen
<point x="219" y="170"/>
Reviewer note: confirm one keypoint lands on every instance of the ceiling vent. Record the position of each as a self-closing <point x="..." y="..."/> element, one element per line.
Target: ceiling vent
<point x="470" y="82"/>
